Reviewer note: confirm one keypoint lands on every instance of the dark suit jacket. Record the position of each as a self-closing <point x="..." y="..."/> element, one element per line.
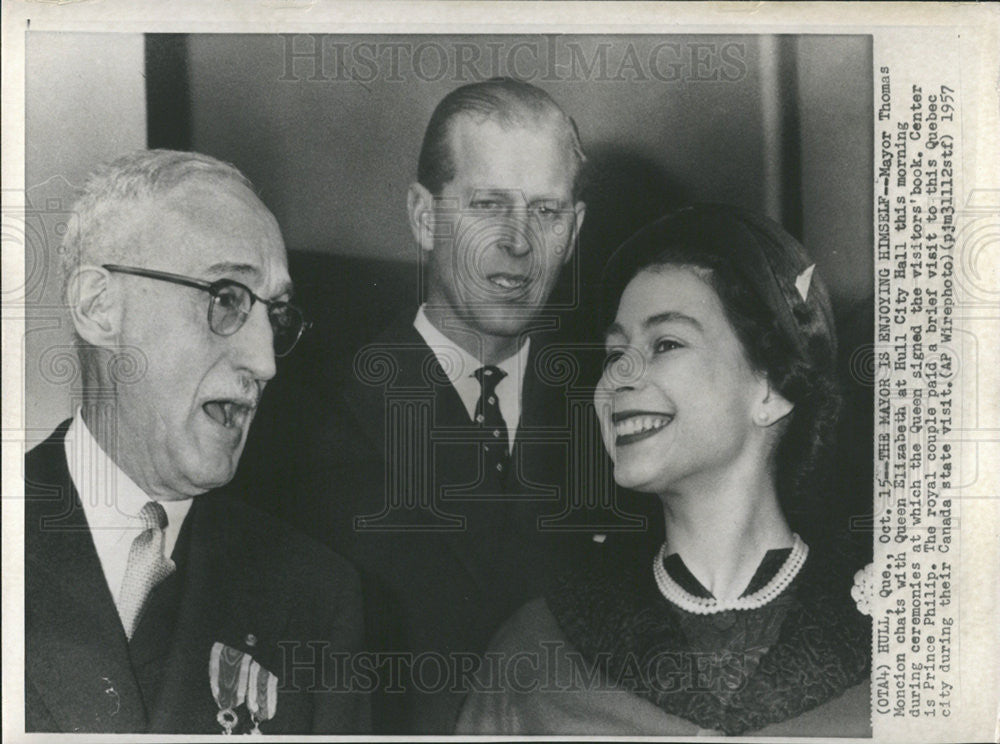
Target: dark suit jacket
<point x="446" y="551"/>
<point x="239" y="576"/>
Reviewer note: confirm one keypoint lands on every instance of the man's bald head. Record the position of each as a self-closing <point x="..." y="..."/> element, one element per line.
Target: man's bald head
<point x="99" y="229"/>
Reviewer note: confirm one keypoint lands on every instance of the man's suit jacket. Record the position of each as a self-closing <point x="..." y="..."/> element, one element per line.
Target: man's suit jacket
<point x="446" y="550"/>
<point x="241" y="580"/>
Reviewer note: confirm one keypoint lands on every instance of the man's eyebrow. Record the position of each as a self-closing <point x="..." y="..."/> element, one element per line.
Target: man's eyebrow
<point x="231" y="267"/>
<point x="493" y="193"/>
<point x="228" y="268"/>
<point x="553" y="201"/>
<point x="517" y="197"/>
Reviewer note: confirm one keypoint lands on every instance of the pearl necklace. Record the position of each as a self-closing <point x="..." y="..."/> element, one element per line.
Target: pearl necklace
<point x="674" y="593"/>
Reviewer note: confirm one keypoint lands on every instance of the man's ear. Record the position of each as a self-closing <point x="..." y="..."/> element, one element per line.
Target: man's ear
<point x="95" y="305"/>
<point x="420" y="207"/>
<point x="772" y="408"/>
<point x="580" y="211"/>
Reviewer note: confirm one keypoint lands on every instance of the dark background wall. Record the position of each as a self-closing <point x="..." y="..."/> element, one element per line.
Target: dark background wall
<point x="329" y="128"/>
<point x="778" y="124"/>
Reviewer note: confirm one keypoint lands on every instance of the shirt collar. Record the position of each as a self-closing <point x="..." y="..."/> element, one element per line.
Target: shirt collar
<point x="111" y="501"/>
<point x="456" y="362"/>
<point x="460" y="367"/>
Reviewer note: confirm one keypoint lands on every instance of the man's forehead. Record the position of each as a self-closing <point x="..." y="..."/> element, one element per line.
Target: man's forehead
<point x="217" y="229"/>
<point x="487" y="152"/>
<point x="214" y="201"/>
<point x="470" y="130"/>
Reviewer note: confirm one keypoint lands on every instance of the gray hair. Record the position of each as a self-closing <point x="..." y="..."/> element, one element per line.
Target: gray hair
<point x="114" y="187"/>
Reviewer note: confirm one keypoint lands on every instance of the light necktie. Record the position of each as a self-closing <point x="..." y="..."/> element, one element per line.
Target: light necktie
<point x="488" y="416"/>
<point x="147" y="566"/>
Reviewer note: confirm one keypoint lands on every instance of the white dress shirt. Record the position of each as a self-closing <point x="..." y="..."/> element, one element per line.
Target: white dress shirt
<point x="460" y="367"/>
<point x="111" y="503"/>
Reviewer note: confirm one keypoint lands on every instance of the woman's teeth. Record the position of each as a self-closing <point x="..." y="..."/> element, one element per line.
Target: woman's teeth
<point x="641" y="424"/>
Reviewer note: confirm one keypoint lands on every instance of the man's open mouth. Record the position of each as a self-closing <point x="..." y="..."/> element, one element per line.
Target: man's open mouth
<point x="232" y="414"/>
<point x="509" y="282"/>
<point x="632" y="426"/>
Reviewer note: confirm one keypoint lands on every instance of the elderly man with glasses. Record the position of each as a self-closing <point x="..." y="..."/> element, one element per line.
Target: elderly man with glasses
<point x="151" y="604"/>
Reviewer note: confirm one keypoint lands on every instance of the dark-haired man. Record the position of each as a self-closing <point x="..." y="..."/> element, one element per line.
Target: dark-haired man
<point x="456" y="437"/>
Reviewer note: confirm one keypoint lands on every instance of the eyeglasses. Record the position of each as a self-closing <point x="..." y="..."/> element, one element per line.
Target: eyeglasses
<point x="231" y="305"/>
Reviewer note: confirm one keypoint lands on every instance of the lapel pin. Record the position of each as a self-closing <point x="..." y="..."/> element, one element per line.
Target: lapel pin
<point x="112" y="693"/>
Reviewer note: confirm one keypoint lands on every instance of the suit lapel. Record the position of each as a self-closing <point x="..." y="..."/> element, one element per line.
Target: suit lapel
<point x="416" y="375"/>
<point x="411" y="371"/>
<point x="541" y="446"/>
<point x="496" y="529"/>
<point x="414" y="397"/>
<point x="76" y="653"/>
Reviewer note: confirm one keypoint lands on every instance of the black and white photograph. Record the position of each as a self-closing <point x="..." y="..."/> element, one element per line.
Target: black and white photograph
<point x="511" y="381"/>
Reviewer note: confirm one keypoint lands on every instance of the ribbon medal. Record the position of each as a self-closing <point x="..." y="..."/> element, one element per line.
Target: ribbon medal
<point x="262" y="695"/>
<point x="228" y="673"/>
<point x="236" y="679"/>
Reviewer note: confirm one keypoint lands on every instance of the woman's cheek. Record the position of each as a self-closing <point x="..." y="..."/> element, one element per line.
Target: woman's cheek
<point x="603" y="406"/>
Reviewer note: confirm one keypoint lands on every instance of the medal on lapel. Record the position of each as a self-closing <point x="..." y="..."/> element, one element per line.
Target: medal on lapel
<point x="262" y="695"/>
<point x="228" y="672"/>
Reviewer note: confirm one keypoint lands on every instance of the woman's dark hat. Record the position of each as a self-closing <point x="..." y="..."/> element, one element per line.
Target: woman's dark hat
<point x="760" y="252"/>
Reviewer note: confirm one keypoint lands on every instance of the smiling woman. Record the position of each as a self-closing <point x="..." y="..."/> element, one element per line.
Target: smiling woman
<point x="719" y="396"/>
